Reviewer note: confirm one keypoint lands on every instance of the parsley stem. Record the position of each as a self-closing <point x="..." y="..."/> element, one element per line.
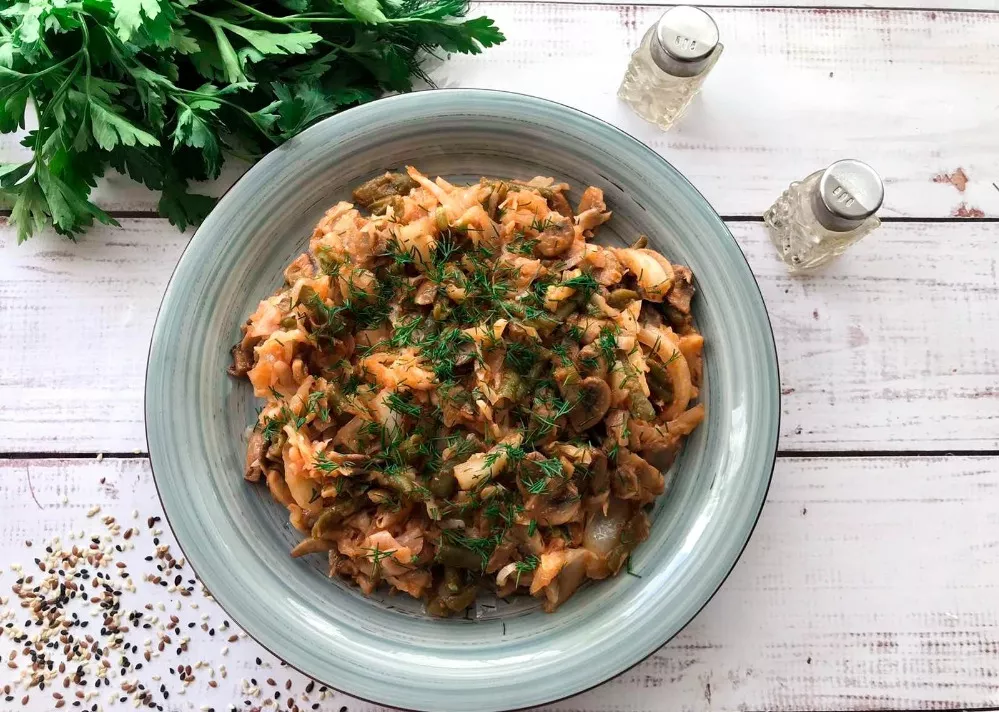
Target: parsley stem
<point x="324" y="18"/>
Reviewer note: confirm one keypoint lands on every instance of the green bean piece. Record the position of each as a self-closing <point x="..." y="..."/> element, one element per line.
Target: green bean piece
<point x="621" y="298"/>
<point x="442" y="483"/>
<point x="331" y="517"/>
<point x="305" y="295"/>
<point x="437" y="608"/>
<point x="463" y="599"/>
<point x="659" y="383"/>
<point x="458" y="557"/>
<point x="409" y="449"/>
<point x="452" y="580"/>
<point x="382" y="205"/>
<point x="382" y="187"/>
<point x="640" y="406"/>
<point x="639" y="243"/>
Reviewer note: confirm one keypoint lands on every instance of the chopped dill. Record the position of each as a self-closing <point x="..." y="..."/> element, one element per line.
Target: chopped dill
<point x="439" y="308"/>
<point x="583" y="283"/>
<point x="550" y="468"/>
<point x="322" y="463"/>
<point x="607" y="342"/>
<point x="520" y="357"/>
<point x="402" y="404"/>
<point x="526" y="566"/>
<point x="405" y="334"/>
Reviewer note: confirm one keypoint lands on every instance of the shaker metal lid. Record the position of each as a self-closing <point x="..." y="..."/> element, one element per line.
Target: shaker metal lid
<point x="686" y="33"/>
<point x="851" y="191"/>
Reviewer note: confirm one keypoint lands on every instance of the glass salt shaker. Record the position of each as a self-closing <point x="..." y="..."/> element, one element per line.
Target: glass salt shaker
<point x="817" y="219"/>
<point x="668" y="68"/>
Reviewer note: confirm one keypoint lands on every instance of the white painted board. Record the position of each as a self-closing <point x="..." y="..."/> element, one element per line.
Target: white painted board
<point x="868" y="584"/>
<point x="893" y="347"/>
<point x="914" y="93"/>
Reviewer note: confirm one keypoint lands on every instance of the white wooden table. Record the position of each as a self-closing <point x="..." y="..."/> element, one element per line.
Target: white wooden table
<point x="872" y="580"/>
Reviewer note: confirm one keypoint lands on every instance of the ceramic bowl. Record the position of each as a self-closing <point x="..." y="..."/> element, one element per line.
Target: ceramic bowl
<point x="383" y="648"/>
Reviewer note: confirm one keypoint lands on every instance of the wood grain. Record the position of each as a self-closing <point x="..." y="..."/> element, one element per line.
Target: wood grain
<point x="891" y="348"/>
<point x="911" y="92"/>
<point x="868" y="584"/>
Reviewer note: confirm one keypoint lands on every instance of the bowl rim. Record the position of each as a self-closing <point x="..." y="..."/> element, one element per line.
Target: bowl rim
<point x="607" y="126"/>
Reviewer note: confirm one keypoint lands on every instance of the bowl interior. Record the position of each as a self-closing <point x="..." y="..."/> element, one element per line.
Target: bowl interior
<point x="383" y="648"/>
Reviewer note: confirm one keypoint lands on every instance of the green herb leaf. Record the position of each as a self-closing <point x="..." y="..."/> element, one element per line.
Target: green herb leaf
<point x="182" y="208"/>
<point x="110" y="129"/>
<point x="365" y="10"/>
<point x="194" y="131"/>
<point x="128" y="15"/>
<point x="275" y="42"/>
<point x="163" y="90"/>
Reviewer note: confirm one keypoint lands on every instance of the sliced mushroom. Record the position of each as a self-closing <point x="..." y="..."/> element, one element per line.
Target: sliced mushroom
<point x="595" y="399"/>
<point x="649" y="479"/>
<point x="660" y="455"/>
<point x="242" y="357"/>
<point x="312" y="546"/>
<point x="620" y="298"/>
<point x="599" y="479"/>
<point x="682" y="290"/>
<point x="555" y="239"/>
<point x="558" y="203"/>
<point x="279" y="488"/>
<point x="255" y="451"/>
<point x="300" y="267"/>
<point x="592" y="361"/>
<point x="592" y="199"/>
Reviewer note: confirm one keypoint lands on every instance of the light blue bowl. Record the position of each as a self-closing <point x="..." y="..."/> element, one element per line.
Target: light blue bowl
<point x="383" y="648"/>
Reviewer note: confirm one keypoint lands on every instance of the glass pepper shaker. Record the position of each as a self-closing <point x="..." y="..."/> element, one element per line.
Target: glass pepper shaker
<point x="668" y="68"/>
<point x="817" y="219"/>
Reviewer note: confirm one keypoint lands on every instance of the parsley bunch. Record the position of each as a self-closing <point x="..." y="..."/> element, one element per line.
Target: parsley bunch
<point x="163" y="90"/>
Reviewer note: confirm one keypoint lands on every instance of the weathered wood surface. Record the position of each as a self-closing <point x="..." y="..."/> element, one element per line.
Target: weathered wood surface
<point x="869" y="584"/>
<point x="891" y="348"/>
<point x="914" y="93"/>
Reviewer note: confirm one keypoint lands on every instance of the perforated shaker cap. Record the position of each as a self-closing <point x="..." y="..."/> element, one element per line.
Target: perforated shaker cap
<point x="684" y="39"/>
<point x="849" y="192"/>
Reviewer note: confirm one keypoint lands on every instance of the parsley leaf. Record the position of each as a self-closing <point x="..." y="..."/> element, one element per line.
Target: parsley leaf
<point x="166" y="90"/>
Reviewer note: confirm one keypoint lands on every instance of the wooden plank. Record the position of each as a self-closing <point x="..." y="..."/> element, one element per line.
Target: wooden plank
<point x="795" y="90"/>
<point x="869" y="583"/>
<point x="893" y="347"/>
